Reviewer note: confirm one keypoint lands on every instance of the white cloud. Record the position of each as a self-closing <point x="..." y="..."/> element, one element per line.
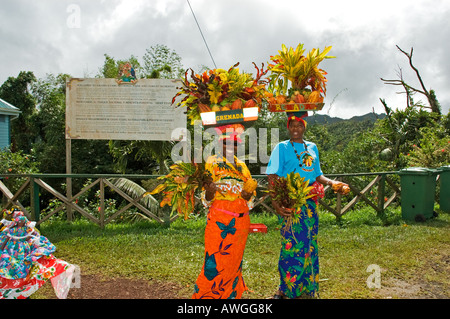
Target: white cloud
<point x="35" y="36"/>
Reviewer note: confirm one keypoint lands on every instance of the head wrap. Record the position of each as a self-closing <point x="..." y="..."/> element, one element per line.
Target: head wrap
<point x="230" y="132"/>
<point x="298" y="116"/>
<point x="14" y="217"/>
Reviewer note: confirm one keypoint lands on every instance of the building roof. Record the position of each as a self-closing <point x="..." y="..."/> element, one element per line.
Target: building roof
<point x="8" y="109"/>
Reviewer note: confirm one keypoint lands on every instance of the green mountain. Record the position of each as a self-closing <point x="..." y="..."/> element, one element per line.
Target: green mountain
<point x="326" y="119"/>
<point x="339" y="132"/>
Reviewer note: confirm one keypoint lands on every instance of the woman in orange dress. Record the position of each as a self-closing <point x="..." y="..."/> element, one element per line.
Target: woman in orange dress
<point x="228" y="224"/>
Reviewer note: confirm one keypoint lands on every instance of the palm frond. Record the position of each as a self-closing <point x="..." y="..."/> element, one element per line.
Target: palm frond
<point x="134" y="190"/>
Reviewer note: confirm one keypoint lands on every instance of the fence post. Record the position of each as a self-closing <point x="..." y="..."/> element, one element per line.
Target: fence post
<point x="381" y="194"/>
<point x="166" y="216"/>
<point x="34" y="200"/>
<point x="69" y="179"/>
<point x="102" y="203"/>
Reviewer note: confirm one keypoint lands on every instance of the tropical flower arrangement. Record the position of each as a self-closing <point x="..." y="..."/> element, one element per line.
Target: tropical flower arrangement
<point x="296" y="78"/>
<point x="221" y="90"/>
<point x="180" y="185"/>
<point x="291" y="192"/>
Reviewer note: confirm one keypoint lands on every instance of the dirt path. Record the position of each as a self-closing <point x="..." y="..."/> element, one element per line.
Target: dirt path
<point x="95" y="287"/>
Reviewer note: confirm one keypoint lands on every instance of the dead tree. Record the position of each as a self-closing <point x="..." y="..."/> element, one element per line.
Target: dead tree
<point x="409" y="90"/>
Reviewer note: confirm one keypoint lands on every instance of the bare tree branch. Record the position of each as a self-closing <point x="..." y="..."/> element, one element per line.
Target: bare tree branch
<point x="434" y="104"/>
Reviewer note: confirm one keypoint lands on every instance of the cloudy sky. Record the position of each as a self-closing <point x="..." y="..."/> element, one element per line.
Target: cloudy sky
<point x="58" y="36"/>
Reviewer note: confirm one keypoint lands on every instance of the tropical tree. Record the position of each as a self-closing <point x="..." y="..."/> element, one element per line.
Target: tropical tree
<point x="110" y="68"/>
<point x="17" y="91"/>
<point x="433" y="148"/>
<point x="401" y="129"/>
<point x="161" y="62"/>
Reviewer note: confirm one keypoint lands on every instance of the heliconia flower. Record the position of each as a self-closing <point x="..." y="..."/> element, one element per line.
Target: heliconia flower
<point x="288" y="246"/>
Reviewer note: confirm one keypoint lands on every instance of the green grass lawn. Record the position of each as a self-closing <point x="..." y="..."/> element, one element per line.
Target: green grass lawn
<point x="409" y="254"/>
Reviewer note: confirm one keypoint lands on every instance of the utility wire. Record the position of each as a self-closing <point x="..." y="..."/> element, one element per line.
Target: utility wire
<point x="204" y="40"/>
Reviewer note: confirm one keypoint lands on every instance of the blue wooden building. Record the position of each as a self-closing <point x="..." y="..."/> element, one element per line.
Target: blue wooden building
<point x="8" y="113"/>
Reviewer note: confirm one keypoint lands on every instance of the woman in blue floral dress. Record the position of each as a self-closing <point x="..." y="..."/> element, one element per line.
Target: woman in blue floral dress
<point x="299" y="260"/>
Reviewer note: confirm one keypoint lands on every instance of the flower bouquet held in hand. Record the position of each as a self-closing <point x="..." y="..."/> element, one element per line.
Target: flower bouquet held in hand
<point x="290" y="193"/>
<point x="296" y="82"/>
<point x="180" y="185"/>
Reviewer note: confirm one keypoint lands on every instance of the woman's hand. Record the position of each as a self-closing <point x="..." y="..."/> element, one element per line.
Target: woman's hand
<point x="339" y="187"/>
<point x="281" y="210"/>
<point x="245" y="195"/>
<point x="336" y="186"/>
<point x="211" y="189"/>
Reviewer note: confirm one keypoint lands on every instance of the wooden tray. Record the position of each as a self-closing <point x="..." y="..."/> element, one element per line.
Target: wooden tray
<point x="294" y="107"/>
<point x="243" y="116"/>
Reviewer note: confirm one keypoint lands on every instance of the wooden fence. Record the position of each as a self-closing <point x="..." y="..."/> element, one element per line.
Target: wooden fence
<point x="377" y="190"/>
<point x="385" y="184"/>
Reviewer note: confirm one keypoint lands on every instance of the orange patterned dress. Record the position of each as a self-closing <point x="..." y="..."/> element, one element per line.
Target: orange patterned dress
<point x="226" y="232"/>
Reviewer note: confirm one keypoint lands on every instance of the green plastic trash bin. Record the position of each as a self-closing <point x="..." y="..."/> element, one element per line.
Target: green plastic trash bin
<point x="444" y="197"/>
<point x="418" y="186"/>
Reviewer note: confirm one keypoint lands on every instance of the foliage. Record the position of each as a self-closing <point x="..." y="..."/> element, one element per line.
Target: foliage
<point x="433" y="150"/>
<point x="400" y="130"/>
<point x="110" y="68"/>
<point x="140" y="157"/>
<point x="17" y="91"/>
<point x="180" y="186"/>
<point x="291" y="191"/>
<point x="292" y="68"/>
<point x="49" y="147"/>
<point x="16" y="163"/>
<point x="160" y="62"/>
<point x="220" y="88"/>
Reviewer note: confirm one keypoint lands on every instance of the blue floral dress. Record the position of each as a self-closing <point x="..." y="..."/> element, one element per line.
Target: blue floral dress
<point x="299" y="259"/>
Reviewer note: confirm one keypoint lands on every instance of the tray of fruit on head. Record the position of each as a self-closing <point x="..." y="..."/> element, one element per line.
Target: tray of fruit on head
<point x="217" y="97"/>
<point x="308" y="101"/>
<point x="296" y="83"/>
